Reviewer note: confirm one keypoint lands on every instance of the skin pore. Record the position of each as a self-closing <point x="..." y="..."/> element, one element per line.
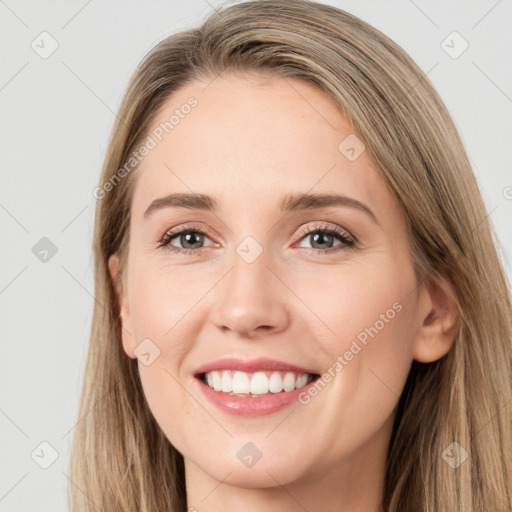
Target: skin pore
<point x="250" y="143"/>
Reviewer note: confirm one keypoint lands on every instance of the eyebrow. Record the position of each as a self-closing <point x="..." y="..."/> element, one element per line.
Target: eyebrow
<point x="289" y="203"/>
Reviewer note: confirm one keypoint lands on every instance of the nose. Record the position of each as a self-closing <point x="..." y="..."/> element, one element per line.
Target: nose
<point x="250" y="301"/>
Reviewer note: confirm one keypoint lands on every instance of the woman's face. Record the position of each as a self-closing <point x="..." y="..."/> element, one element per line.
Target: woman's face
<point x="261" y="275"/>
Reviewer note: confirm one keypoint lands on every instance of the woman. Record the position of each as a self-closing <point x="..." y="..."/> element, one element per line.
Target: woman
<point x="235" y="362"/>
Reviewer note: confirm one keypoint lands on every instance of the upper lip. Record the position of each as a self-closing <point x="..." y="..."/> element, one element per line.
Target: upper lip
<point x="251" y="365"/>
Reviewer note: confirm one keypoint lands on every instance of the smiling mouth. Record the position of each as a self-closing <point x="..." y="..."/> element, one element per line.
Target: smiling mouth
<point x="255" y="384"/>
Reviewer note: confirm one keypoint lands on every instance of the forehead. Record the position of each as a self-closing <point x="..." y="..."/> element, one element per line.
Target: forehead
<point x="252" y="140"/>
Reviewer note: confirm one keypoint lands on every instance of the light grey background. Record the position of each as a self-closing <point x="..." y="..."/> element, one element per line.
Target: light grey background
<point x="56" y="118"/>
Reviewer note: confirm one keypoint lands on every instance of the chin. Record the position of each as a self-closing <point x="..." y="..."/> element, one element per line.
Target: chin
<point x="263" y="474"/>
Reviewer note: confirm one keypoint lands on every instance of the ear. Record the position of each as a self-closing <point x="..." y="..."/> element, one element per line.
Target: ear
<point x="439" y="322"/>
<point x="124" y="308"/>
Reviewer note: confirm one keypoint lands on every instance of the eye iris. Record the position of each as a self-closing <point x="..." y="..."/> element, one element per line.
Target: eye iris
<point x="188" y="238"/>
<point x="321" y="238"/>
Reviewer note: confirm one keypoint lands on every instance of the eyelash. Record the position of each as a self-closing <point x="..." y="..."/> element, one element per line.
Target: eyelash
<point x="347" y="240"/>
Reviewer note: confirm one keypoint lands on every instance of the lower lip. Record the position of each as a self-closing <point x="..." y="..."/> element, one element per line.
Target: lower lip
<point x="252" y="406"/>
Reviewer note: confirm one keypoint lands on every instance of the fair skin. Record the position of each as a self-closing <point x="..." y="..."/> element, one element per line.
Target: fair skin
<point x="247" y="144"/>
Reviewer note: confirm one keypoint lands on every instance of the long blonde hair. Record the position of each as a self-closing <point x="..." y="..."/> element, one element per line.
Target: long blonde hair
<point x="121" y="460"/>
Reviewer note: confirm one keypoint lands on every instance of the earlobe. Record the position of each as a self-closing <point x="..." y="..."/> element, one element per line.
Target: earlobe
<point x="124" y="308"/>
<point x="439" y="323"/>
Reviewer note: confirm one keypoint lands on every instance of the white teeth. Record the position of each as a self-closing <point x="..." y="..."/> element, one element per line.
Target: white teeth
<point x="241" y="383"/>
<point x="258" y="383"/>
<point x="275" y="383"/>
<point x="226" y="383"/>
<point x="289" y="382"/>
<point x="302" y="380"/>
<point x="216" y="381"/>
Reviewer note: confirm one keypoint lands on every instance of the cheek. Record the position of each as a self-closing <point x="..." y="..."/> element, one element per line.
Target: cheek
<point x="368" y="328"/>
<point x="369" y="343"/>
<point x="363" y="302"/>
<point x="163" y="301"/>
<point x="163" y="310"/>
